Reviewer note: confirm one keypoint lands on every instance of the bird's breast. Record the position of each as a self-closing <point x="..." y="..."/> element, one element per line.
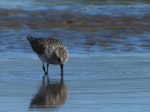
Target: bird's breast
<point x="48" y="59"/>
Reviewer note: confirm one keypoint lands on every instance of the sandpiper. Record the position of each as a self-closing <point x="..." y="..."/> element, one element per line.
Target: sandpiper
<point x="50" y="51"/>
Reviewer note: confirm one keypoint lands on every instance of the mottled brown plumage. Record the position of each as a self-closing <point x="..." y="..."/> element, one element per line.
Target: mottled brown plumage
<point x="50" y="51"/>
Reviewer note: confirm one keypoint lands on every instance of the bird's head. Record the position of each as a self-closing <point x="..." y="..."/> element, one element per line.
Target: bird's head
<point x="62" y="55"/>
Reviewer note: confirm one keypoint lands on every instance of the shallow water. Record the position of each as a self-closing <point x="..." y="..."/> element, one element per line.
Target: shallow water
<point x="109" y="65"/>
<point x="105" y="83"/>
<point x="84" y="28"/>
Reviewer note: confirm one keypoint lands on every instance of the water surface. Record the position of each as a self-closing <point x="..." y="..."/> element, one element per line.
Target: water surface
<point x="104" y="83"/>
<point x="109" y="65"/>
<point x="84" y="28"/>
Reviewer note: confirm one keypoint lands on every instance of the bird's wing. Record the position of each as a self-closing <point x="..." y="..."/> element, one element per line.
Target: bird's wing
<point x="38" y="46"/>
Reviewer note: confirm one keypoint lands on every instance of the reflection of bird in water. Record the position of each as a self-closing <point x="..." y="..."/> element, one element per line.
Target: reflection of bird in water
<point x="50" y="95"/>
<point x="50" y="51"/>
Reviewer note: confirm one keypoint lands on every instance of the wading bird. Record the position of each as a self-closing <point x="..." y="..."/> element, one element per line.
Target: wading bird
<point x="50" y="51"/>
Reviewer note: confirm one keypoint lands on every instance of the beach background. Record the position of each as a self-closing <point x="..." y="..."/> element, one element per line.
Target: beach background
<point x="109" y="56"/>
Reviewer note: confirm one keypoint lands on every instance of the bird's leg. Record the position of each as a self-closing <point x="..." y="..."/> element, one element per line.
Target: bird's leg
<point x="43" y="80"/>
<point x="62" y="71"/>
<point x="47" y="67"/>
<point x="47" y="79"/>
<point x="44" y="69"/>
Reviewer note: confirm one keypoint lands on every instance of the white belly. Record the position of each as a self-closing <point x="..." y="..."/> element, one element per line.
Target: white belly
<point x="49" y="60"/>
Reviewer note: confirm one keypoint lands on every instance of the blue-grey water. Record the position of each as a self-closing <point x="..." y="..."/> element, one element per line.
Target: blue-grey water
<point x="109" y="63"/>
<point x="101" y="83"/>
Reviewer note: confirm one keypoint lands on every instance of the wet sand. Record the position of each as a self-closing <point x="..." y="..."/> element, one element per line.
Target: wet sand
<point x="104" y="83"/>
<point x="83" y="28"/>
